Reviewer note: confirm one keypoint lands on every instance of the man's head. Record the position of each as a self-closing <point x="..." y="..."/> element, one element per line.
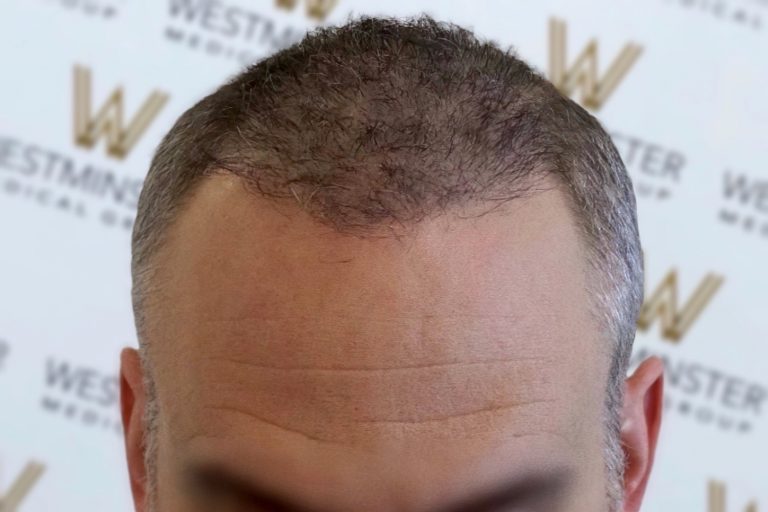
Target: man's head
<point x="390" y="268"/>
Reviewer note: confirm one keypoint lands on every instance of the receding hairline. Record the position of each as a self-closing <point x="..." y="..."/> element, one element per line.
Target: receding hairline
<point x="525" y="127"/>
<point x="290" y="207"/>
<point x="485" y="120"/>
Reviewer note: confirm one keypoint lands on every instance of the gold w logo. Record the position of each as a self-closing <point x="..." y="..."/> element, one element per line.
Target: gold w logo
<point x="108" y="122"/>
<point x="663" y="305"/>
<point x="717" y="499"/>
<point x="21" y="487"/>
<point x="317" y="9"/>
<point x="583" y="74"/>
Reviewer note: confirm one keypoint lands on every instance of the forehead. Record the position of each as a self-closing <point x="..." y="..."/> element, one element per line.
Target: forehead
<point x="471" y="328"/>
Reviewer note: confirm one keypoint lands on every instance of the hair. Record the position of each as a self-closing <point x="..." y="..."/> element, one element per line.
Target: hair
<point x="386" y="121"/>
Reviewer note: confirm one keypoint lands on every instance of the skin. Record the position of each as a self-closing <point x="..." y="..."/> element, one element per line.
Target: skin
<point x="454" y="369"/>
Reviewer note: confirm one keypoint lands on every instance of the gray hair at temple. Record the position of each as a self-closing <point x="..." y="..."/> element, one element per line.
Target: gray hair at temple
<point x="383" y="122"/>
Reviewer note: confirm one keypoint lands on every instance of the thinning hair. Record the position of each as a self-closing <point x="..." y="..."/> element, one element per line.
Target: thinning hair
<point x="384" y="122"/>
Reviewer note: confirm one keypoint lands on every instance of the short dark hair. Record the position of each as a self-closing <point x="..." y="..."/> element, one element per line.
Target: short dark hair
<point x="387" y="121"/>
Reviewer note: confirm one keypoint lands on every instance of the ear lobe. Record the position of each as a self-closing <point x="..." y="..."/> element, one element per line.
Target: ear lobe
<point x="641" y="421"/>
<point x="132" y="404"/>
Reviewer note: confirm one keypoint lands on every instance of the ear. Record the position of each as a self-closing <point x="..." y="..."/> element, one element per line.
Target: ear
<point x="641" y="420"/>
<point x="132" y="403"/>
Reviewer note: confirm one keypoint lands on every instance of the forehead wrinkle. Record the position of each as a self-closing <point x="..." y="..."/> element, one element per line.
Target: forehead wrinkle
<point x="375" y="369"/>
<point x="460" y="384"/>
<point x="372" y="341"/>
<point x="270" y="423"/>
<point x="475" y="365"/>
<point x="453" y="416"/>
<point x="485" y="424"/>
<point x="352" y="405"/>
<point x="346" y="391"/>
<point x="387" y="317"/>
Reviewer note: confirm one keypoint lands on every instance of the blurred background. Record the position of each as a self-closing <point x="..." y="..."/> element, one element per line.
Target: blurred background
<point x="89" y="87"/>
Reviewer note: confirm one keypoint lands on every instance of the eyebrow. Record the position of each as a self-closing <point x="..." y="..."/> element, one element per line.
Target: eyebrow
<point x="539" y="489"/>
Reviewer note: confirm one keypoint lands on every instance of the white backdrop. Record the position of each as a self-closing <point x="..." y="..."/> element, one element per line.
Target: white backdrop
<point x="689" y="114"/>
